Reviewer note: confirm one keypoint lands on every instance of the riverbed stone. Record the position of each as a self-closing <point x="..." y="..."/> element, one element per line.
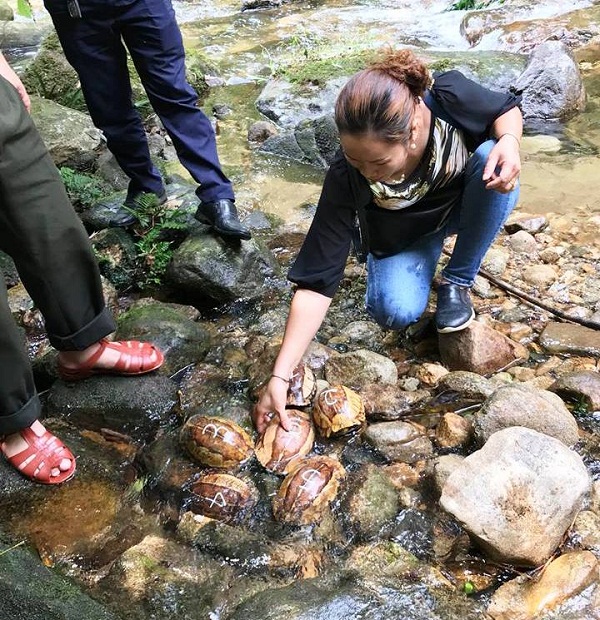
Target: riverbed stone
<point x="585" y="532"/>
<point x="540" y="275"/>
<point x="135" y="406"/>
<point x="523" y="405"/>
<point x="518" y="494"/>
<point x="551" y="83"/>
<point x="371" y="502"/>
<point x="399" y="441"/>
<point x="579" y="385"/>
<point x="6" y="12"/>
<point x="563" y="579"/>
<point x="453" y="431"/>
<point x="571" y="339"/>
<point x="69" y="135"/>
<point x="207" y="268"/>
<point x="526" y="222"/>
<point x="361" y="367"/>
<point x="479" y="349"/>
<point x="388" y="402"/>
<point x="523" y="243"/>
<point x="173" y="328"/>
<point x="31" y="590"/>
<point x="469" y="385"/>
<point x="442" y="467"/>
<point x="18" y="34"/>
<point x="429" y="374"/>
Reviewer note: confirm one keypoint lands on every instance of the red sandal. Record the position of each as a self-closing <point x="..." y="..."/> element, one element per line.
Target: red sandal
<point x="42" y="455"/>
<point x="135" y="359"/>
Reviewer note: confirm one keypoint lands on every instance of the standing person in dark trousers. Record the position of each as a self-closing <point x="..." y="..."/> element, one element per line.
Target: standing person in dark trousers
<point x="94" y="35"/>
<point x="41" y="232"/>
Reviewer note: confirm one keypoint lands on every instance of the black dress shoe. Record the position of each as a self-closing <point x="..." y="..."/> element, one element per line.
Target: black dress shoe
<point x="123" y="216"/>
<point x="454" y="308"/>
<point x="223" y="217"/>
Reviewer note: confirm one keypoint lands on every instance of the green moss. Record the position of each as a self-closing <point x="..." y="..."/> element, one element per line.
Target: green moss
<point x="320" y="70"/>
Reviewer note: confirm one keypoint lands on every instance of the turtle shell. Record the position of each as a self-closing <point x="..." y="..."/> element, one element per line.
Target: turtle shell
<point x="339" y="410"/>
<point x="307" y="490"/>
<point x="222" y="496"/>
<point x="215" y="442"/>
<point x="303" y="386"/>
<point x="278" y="450"/>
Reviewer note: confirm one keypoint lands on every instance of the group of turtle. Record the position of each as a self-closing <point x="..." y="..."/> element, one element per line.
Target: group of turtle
<point x="311" y="483"/>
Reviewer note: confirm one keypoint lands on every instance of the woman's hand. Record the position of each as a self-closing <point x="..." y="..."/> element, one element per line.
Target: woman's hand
<point x="503" y="165"/>
<point x="272" y="402"/>
<point x="6" y="71"/>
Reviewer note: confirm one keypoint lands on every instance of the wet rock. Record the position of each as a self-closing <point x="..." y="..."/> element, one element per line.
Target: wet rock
<point x="579" y="386"/>
<point x="518" y="494"/>
<point x="207" y="389"/>
<point x="429" y="374"/>
<point x="403" y="475"/>
<point x="136" y="406"/>
<point x="22" y="34"/>
<point x="551" y="84"/>
<point x="479" y="349"/>
<point x="585" y="532"/>
<point x="522" y="405"/>
<point x="467" y="384"/>
<point x="69" y="135"/>
<point x="261" y="130"/>
<point x="143" y="582"/>
<point x="383" y="558"/>
<point x="6" y="13"/>
<point x="30" y="590"/>
<point x="20" y="303"/>
<point x="359" y="368"/>
<point x="453" y="431"/>
<point x="371" y="502"/>
<point x="362" y="335"/>
<point x="388" y="402"/>
<point x="443" y="466"/>
<point x="571" y="339"/>
<point x="562" y="580"/>
<point x="206" y="267"/>
<point x="173" y="328"/>
<point x="399" y="441"/>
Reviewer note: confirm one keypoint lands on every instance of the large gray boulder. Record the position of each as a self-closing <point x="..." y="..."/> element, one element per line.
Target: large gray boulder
<point x="209" y="269"/>
<point x="69" y="135"/>
<point x="551" y="84"/>
<point x="524" y="405"/>
<point x="518" y="494"/>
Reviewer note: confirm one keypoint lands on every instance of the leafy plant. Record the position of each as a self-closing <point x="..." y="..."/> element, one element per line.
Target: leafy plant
<point x="24" y="9"/>
<point x="468" y="5"/>
<point x="156" y="223"/>
<point x="83" y="190"/>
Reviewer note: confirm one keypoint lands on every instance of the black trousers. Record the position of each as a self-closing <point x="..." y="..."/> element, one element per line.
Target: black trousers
<point x="95" y="45"/>
<point x="40" y="230"/>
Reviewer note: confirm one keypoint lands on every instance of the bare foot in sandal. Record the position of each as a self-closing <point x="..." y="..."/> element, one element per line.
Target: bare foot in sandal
<point x="39" y="455"/>
<point x="127" y="357"/>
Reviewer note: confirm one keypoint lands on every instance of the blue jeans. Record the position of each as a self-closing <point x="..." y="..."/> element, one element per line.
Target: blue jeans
<point x="95" y="46"/>
<point x="398" y="286"/>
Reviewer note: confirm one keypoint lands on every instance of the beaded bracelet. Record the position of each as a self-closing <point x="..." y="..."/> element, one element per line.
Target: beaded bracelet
<point x="509" y="134"/>
<point x="278" y="377"/>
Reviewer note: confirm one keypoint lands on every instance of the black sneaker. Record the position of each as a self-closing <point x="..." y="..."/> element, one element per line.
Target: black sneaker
<point x="123" y="216"/>
<point x="454" y="308"/>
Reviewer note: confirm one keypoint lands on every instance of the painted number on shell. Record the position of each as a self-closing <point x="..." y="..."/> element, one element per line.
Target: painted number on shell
<point x="218" y="499"/>
<point x="330" y="397"/>
<point x="215" y="430"/>
<point x="308" y="476"/>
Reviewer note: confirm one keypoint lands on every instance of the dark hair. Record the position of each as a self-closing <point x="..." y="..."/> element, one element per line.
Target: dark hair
<point x="381" y="98"/>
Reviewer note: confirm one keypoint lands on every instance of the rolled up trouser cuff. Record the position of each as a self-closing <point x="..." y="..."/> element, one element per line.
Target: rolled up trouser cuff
<point x="102" y="325"/>
<point x="24" y="418"/>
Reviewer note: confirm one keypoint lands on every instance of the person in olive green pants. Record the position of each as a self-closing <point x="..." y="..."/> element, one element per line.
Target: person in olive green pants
<point x="40" y="230"/>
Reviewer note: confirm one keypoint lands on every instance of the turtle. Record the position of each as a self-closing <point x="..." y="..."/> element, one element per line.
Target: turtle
<point x="216" y="442"/>
<point x="307" y="490"/>
<point x="278" y="450"/>
<point x="302" y="387"/>
<point x="339" y="411"/>
<point x="222" y="496"/>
